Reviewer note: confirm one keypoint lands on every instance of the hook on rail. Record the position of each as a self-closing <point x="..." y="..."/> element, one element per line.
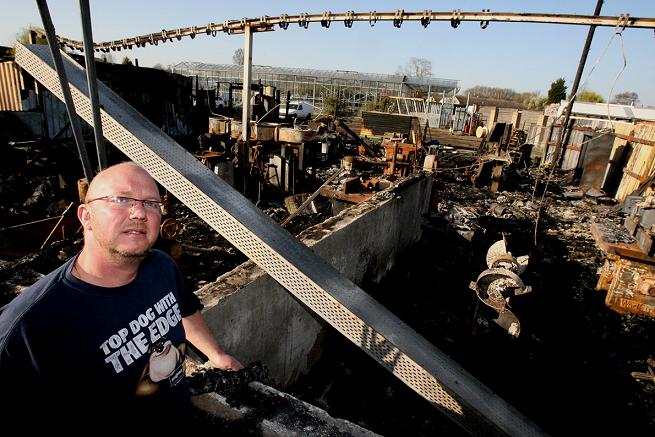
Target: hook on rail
<point x="484" y="23"/>
<point x="372" y="18"/>
<point x="426" y="18"/>
<point x="622" y="23"/>
<point x="348" y="21"/>
<point x="326" y="19"/>
<point x="455" y="20"/>
<point x="284" y="22"/>
<point x="303" y="21"/>
<point x="398" y="18"/>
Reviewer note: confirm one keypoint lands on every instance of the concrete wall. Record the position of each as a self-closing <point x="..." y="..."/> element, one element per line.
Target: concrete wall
<point x="256" y="319"/>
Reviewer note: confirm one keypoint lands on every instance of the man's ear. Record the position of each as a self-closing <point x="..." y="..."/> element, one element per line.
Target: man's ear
<point x="84" y="216"/>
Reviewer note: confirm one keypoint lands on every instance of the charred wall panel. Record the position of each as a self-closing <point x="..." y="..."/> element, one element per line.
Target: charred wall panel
<point x="595" y="162"/>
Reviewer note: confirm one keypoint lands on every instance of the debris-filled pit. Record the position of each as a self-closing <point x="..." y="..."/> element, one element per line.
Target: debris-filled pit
<point x="569" y="369"/>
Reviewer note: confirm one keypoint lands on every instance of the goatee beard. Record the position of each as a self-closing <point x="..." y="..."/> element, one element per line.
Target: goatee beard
<point x="129" y="256"/>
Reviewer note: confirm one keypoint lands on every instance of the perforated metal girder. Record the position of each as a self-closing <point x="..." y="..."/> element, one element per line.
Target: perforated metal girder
<point x="308" y="277"/>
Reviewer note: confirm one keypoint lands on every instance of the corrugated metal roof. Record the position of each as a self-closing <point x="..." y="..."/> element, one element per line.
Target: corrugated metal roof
<point x="644" y="113"/>
<point x="11" y="83"/>
<point x="615" y="111"/>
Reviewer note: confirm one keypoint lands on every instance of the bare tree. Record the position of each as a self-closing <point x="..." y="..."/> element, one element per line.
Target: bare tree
<point x="625" y="98"/>
<point x="237" y="57"/>
<point x="494" y="93"/>
<point x="417" y="67"/>
<point x="24" y="37"/>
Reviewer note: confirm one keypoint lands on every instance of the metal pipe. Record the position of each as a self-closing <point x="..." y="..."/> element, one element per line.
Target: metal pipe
<point x="91" y="78"/>
<point x="63" y="83"/>
<point x="565" y="131"/>
<point x="245" y="94"/>
<point x="56" y="225"/>
<point x="238" y="26"/>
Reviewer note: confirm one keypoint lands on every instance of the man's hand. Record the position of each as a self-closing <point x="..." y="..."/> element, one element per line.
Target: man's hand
<point x="198" y="333"/>
<point x="226" y="362"/>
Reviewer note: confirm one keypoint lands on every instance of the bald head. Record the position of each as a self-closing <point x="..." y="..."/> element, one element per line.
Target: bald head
<point x="123" y="177"/>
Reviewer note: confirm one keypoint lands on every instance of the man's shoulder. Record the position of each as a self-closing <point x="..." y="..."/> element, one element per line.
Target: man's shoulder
<point x="21" y="305"/>
<point x="159" y="263"/>
<point x="156" y="256"/>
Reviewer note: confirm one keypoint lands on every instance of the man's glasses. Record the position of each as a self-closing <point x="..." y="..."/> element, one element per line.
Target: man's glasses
<point x="128" y="202"/>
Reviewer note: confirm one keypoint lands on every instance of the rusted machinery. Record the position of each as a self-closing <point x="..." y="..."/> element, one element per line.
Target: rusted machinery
<point x="500" y="282"/>
<point x="400" y="155"/>
<point x="500" y="148"/>
<point x="630" y="285"/>
<point x="628" y="274"/>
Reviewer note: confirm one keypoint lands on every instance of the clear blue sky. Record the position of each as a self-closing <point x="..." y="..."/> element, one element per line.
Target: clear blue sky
<point x="523" y="57"/>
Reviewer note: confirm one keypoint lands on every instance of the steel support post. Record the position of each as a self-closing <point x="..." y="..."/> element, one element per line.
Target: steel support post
<point x="91" y="78"/>
<point x="63" y="83"/>
<point x="245" y="94"/>
<point x="565" y="131"/>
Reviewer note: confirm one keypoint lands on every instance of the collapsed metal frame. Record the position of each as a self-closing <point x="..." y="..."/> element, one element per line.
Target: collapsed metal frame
<point x="342" y="304"/>
<point x="353" y="88"/>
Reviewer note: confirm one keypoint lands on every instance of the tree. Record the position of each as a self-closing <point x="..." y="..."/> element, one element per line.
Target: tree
<point x="332" y="105"/>
<point x="557" y="91"/>
<point x="417" y="67"/>
<point x="590" y="96"/>
<point x="126" y="61"/>
<point x="494" y="93"/>
<point x="535" y="102"/>
<point x="625" y="98"/>
<point x="23" y="36"/>
<point x="237" y="57"/>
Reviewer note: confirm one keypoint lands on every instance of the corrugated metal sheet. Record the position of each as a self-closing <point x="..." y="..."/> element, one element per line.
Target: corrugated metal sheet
<point x="11" y="84"/>
<point x="642" y="159"/>
<point x="378" y="123"/>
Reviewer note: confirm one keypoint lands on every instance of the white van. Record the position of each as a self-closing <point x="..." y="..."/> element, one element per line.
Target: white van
<point x="298" y="109"/>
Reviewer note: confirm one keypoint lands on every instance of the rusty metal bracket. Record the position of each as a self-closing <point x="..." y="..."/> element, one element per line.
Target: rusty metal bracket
<point x="456" y="18"/>
<point x="348" y="21"/>
<point x="427" y="18"/>
<point x="284" y="22"/>
<point x="484" y="23"/>
<point x="302" y="20"/>
<point x="398" y="18"/>
<point x="372" y="18"/>
<point x="326" y="20"/>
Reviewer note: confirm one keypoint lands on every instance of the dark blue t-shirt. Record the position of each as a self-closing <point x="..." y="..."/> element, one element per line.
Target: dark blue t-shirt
<point x="66" y="345"/>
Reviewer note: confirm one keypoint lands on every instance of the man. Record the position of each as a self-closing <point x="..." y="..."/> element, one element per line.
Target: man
<point x="103" y="336"/>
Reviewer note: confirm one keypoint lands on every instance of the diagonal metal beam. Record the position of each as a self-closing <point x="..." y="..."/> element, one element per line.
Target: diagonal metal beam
<point x="317" y="284"/>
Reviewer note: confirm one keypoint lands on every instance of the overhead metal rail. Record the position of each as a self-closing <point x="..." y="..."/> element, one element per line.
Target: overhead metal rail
<point x="398" y="17"/>
<point x="342" y="304"/>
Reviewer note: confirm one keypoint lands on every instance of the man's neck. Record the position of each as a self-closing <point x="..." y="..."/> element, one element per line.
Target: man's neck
<point x="105" y="272"/>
